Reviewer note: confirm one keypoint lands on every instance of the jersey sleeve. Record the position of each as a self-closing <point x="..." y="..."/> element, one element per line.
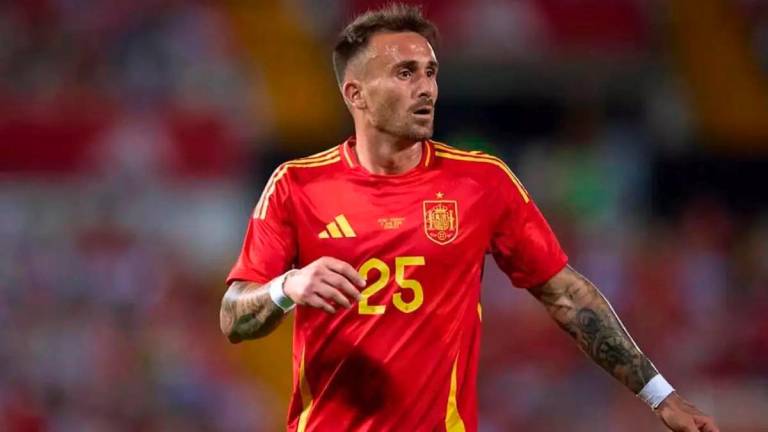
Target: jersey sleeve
<point x="269" y="248"/>
<point x="523" y="243"/>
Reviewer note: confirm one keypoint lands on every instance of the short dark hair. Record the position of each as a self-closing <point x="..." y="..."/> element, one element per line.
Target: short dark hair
<point x="395" y="17"/>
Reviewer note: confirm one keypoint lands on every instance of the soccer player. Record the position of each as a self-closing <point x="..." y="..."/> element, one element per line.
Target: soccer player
<point x="379" y="242"/>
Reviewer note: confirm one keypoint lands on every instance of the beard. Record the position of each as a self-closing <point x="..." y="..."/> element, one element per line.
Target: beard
<point x="403" y="124"/>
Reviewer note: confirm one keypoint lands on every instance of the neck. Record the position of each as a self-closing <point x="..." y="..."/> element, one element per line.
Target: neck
<point x="384" y="154"/>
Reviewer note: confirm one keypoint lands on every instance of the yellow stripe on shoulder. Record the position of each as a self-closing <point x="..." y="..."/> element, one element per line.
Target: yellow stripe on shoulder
<point x="321" y="154"/>
<point x="478" y="153"/>
<point x="448" y="152"/>
<point x="260" y="212"/>
<point x="474" y="153"/>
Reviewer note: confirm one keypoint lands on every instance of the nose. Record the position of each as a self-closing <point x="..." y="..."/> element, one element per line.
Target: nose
<point x="426" y="87"/>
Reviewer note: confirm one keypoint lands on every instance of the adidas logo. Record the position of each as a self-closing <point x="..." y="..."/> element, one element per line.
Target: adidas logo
<point x="337" y="229"/>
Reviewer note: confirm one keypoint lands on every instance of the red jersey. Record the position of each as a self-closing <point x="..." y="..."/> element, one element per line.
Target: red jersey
<point x="405" y="357"/>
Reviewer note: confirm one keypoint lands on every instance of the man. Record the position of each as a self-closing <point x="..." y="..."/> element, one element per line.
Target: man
<point x="386" y="234"/>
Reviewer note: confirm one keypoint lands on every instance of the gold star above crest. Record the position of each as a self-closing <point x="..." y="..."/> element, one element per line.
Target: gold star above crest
<point x="439" y="195"/>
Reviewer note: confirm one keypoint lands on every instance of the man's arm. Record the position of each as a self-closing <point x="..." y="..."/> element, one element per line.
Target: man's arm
<point x="579" y="308"/>
<point x="248" y="311"/>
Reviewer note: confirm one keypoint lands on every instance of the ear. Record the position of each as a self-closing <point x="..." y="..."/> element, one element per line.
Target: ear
<point x="353" y="94"/>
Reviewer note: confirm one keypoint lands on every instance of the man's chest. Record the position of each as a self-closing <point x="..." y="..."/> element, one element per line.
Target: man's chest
<point x="443" y="220"/>
<point x="419" y="247"/>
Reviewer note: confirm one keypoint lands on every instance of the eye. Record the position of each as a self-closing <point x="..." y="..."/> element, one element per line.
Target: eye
<point x="404" y="74"/>
<point x="431" y="72"/>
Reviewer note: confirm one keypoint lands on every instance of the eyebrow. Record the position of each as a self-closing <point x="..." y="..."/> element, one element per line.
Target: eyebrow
<point x="412" y="64"/>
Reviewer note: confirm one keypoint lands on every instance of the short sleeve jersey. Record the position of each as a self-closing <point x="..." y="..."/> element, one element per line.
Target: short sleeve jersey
<point x="405" y="357"/>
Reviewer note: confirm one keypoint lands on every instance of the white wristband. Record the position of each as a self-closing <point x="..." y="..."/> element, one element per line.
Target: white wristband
<point x="277" y="292"/>
<point x="655" y="391"/>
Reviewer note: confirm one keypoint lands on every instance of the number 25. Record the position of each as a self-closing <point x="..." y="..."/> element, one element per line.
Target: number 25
<point x="364" y="308"/>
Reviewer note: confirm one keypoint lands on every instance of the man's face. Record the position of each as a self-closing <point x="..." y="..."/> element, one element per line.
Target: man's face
<point x="398" y="78"/>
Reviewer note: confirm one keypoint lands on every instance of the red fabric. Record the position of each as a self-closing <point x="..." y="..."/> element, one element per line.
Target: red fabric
<point x="269" y="247"/>
<point x="392" y="371"/>
<point x="523" y="243"/>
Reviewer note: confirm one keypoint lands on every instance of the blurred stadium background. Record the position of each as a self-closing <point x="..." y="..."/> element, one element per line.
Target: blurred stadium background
<point x="135" y="137"/>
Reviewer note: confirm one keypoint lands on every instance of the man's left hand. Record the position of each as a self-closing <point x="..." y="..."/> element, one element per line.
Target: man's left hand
<point x="680" y="415"/>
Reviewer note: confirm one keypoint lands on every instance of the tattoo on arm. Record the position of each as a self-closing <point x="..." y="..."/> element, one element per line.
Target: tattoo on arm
<point x="247" y="312"/>
<point x="581" y="310"/>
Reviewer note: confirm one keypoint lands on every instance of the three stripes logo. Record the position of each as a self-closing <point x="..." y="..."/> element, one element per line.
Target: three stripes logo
<point x="338" y="228"/>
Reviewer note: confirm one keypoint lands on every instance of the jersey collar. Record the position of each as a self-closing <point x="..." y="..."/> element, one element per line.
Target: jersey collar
<point x="349" y="156"/>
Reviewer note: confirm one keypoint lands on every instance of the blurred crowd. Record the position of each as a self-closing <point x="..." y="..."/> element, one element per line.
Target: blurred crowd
<point x="136" y="136"/>
<point x="122" y="133"/>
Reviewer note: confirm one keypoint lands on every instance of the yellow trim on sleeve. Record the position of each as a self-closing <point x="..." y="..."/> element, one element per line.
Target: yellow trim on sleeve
<point x="453" y="421"/>
<point x="306" y="396"/>
<point x="260" y="203"/>
<point x="478" y="153"/>
<point x="487" y="159"/>
<point x="320" y="154"/>
<point x="260" y="211"/>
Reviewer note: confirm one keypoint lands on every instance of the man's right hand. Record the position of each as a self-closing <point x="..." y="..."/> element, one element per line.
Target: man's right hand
<point x="323" y="283"/>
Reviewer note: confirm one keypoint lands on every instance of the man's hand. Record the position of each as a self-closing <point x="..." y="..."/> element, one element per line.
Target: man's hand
<point x="580" y="309"/>
<point x="680" y="415"/>
<point x="323" y="283"/>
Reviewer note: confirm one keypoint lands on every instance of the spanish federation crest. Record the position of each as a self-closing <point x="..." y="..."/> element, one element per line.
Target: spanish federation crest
<point x="441" y="220"/>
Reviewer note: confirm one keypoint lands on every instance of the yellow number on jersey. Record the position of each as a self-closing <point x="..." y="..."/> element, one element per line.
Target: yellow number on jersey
<point x="384" y="272"/>
<point x="411" y="284"/>
<point x="374" y="263"/>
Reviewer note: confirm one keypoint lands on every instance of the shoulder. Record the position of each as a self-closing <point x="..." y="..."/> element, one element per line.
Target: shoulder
<point x="474" y="160"/>
<point x="484" y="166"/>
<point x="318" y="164"/>
<point x="296" y="171"/>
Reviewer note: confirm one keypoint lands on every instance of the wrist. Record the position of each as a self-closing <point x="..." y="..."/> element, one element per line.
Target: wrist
<point x="277" y="292"/>
<point x="655" y="391"/>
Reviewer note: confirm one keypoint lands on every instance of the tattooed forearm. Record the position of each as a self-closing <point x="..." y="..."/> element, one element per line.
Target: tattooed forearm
<point x="580" y="309"/>
<point x="247" y="312"/>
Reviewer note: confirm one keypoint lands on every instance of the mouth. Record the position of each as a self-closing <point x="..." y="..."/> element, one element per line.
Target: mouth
<point x="425" y="111"/>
